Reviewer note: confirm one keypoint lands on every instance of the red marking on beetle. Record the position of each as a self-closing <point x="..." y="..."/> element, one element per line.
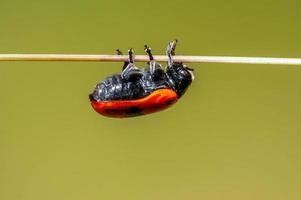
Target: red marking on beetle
<point x="158" y="100"/>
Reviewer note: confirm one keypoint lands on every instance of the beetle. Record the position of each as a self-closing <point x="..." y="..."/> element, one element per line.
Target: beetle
<point x="136" y="92"/>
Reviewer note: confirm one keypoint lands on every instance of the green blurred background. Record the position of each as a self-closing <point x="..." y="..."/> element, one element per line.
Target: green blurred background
<point x="234" y="135"/>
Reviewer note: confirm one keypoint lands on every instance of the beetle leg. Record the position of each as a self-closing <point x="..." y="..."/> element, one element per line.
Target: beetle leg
<point x="131" y="72"/>
<point x="155" y="68"/>
<point x="130" y="63"/>
<point x="152" y="63"/>
<point x="125" y="63"/>
<point x="171" y="47"/>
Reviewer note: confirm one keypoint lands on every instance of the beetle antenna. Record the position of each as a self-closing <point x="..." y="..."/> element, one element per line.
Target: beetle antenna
<point x="190" y="69"/>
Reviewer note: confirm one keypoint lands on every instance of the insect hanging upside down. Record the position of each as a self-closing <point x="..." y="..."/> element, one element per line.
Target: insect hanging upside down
<point x="137" y="92"/>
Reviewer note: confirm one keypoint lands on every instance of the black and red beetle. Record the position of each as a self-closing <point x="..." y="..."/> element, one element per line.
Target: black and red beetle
<point x="137" y="92"/>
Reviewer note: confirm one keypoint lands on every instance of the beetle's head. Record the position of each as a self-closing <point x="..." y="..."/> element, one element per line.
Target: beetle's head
<point x="182" y="77"/>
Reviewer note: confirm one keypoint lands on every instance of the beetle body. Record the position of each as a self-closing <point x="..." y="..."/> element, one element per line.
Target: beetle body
<point x="137" y="92"/>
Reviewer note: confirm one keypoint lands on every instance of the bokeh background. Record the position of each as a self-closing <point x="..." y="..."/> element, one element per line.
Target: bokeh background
<point x="234" y="135"/>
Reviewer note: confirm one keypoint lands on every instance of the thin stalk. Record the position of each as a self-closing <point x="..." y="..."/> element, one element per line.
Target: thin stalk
<point x="143" y="58"/>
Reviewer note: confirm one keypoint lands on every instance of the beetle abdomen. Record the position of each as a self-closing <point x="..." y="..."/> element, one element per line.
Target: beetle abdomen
<point x="156" y="101"/>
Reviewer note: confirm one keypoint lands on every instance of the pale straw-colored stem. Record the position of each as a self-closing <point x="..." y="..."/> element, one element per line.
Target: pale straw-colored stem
<point x="143" y="58"/>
